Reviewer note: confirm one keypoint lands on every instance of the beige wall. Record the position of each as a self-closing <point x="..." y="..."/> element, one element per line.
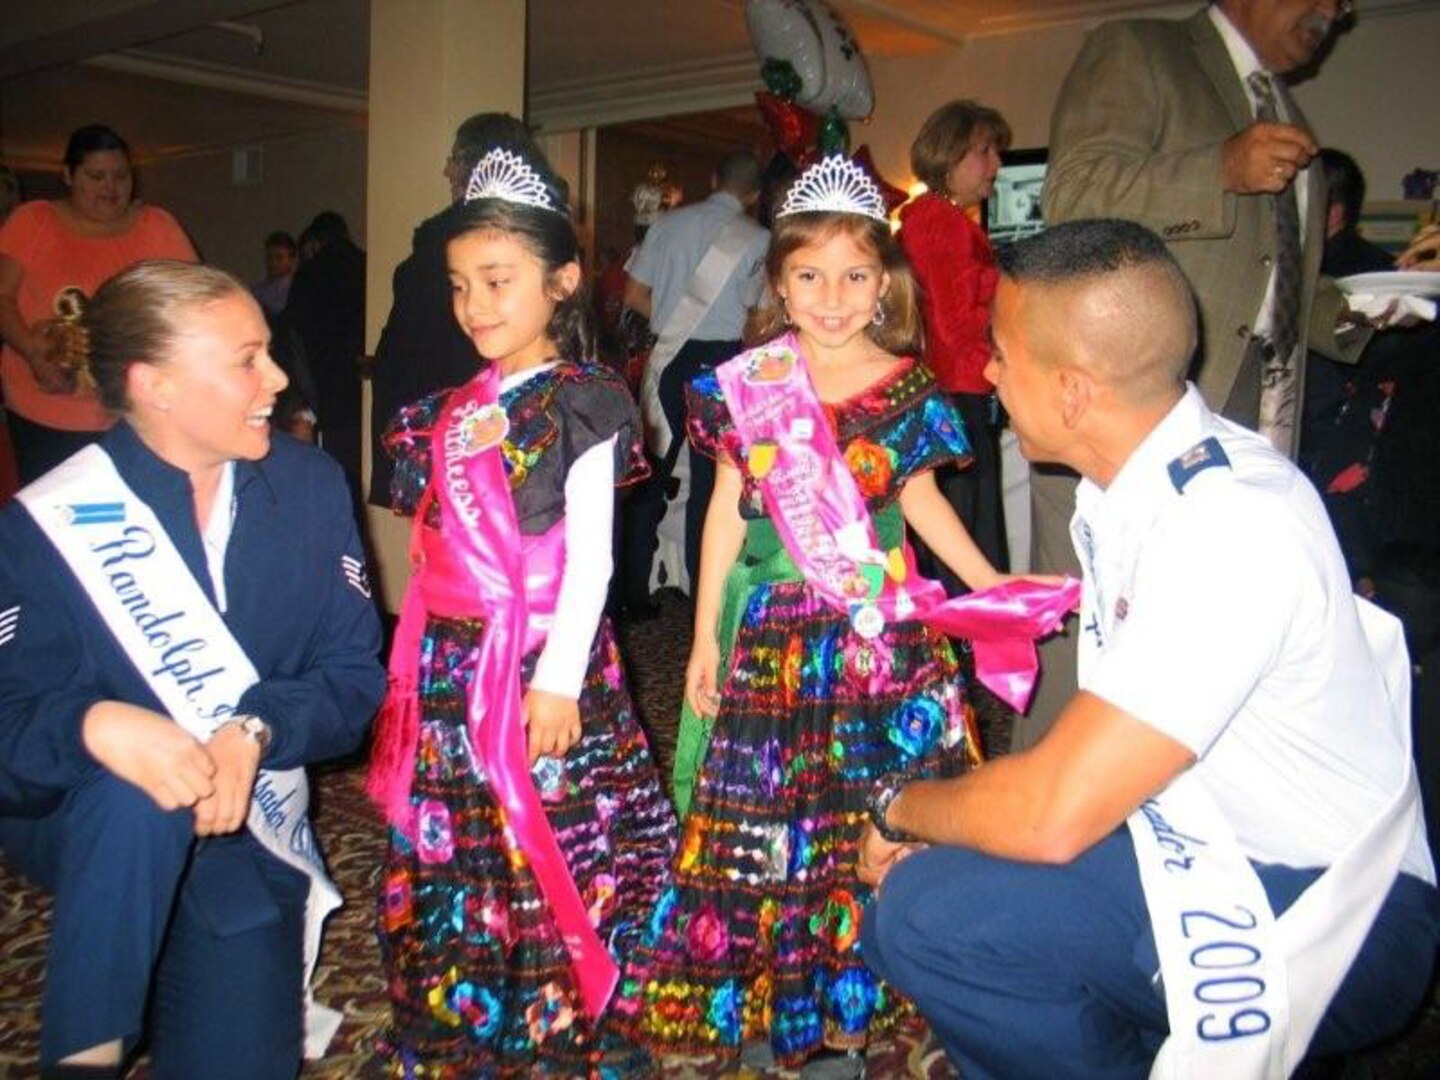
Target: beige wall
<point x="184" y="136"/>
<point x="1372" y="97"/>
<point x="302" y="175"/>
<point x="1018" y="74"/>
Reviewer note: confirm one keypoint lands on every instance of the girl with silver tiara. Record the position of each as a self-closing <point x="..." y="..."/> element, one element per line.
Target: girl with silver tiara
<point x="529" y="831"/>
<point x="821" y="658"/>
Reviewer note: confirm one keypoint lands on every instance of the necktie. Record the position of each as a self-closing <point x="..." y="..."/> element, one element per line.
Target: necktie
<point x="1285" y="316"/>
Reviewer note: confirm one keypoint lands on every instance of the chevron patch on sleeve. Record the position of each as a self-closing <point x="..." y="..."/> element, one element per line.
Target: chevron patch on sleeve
<point x="355" y="574"/>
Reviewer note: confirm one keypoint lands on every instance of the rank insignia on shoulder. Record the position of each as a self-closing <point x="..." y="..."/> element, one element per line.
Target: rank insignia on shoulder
<point x="1203" y="455"/>
<point x="9" y="624"/>
<point x="355" y="575"/>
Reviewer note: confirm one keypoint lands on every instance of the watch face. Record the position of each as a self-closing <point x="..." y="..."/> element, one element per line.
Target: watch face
<point x="880" y="799"/>
<point x="257" y="729"/>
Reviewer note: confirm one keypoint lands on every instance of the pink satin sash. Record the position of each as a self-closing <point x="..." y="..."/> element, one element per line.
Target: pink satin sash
<point x="478" y="564"/>
<point x="822" y="519"/>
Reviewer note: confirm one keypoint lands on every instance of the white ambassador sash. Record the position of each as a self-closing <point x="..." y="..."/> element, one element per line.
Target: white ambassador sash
<point x="170" y="631"/>
<point x="701" y="292"/>
<point x="1246" y="991"/>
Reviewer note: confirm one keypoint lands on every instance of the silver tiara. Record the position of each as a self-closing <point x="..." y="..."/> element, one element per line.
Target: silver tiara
<point x="503" y="174"/>
<point x="837" y="185"/>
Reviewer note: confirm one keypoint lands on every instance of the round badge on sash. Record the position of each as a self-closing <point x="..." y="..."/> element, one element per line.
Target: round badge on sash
<point x="481" y="427"/>
<point x="867" y="621"/>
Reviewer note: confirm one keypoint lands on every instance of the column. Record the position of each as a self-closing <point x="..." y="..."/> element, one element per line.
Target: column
<point x="432" y="64"/>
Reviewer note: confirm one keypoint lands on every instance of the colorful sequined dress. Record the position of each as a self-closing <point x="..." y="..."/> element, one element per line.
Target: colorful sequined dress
<point x="758" y="934"/>
<point x="480" y="984"/>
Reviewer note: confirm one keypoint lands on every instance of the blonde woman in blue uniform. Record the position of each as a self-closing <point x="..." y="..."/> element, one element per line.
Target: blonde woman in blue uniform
<point x="186" y="624"/>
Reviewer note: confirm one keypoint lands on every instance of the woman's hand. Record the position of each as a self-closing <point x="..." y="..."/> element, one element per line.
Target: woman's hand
<point x="237" y="760"/>
<point x="150" y="751"/>
<point x="42" y="350"/>
<point x="702" y="693"/>
<point x="1423" y="252"/>
<point x="552" y="723"/>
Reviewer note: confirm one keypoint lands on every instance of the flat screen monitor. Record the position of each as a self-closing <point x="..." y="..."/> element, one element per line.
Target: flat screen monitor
<point x="1013" y="211"/>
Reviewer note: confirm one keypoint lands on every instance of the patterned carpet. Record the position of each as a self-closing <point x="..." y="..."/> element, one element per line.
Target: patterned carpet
<point x="349" y="976"/>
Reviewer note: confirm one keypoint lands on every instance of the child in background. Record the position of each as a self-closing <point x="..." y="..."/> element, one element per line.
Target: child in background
<point x="529" y="831"/>
<point x="820" y="675"/>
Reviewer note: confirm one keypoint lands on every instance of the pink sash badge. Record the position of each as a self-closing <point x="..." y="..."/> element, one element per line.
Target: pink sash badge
<point x="826" y="527"/>
<point x="479" y="565"/>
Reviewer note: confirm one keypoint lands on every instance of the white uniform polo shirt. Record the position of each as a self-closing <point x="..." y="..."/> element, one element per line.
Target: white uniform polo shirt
<point x="666" y="260"/>
<point x="1217" y="609"/>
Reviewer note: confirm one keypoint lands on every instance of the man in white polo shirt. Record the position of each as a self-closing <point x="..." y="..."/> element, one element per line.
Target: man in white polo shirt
<point x="1237" y="709"/>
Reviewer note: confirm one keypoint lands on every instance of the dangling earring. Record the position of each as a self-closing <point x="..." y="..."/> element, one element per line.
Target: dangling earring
<point x="785" y="311"/>
<point x="879" y="319"/>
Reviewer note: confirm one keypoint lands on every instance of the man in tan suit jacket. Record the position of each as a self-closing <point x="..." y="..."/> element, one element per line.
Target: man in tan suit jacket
<point x="1155" y="124"/>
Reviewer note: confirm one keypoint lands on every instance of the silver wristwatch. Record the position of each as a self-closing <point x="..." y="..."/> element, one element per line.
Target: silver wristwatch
<point x="253" y="728"/>
<point x="878" y="804"/>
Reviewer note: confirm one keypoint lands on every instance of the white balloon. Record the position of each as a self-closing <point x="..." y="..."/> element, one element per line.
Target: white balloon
<point x="821" y="49"/>
<point x="787" y="30"/>
<point x="847" y="80"/>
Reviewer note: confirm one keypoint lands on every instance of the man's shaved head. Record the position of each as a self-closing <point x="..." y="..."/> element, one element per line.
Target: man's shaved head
<point x="1107" y="296"/>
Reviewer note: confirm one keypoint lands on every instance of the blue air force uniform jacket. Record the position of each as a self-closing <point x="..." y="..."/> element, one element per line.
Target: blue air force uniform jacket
<point x="297" y="602"/>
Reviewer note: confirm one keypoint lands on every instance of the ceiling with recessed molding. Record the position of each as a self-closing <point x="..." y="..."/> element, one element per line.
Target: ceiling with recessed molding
<point x="172" y="64"/>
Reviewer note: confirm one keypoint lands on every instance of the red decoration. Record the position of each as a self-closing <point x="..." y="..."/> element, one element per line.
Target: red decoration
<point x="892" y="195"/>
<point x="793" y="128"/>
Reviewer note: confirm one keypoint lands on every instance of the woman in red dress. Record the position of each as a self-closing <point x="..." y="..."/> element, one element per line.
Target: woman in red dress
<point x="957" y="155"/>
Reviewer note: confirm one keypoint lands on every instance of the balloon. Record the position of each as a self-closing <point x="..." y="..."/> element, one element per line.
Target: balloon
<point x="834" y="134"/>
<point x="793" y="128"/>
<point x="780" y="78"/>
<point x="847" y="79"/>
<point x="784" y="30"/>
<point x="892" y="195"/>
<point x="819" y="47"/>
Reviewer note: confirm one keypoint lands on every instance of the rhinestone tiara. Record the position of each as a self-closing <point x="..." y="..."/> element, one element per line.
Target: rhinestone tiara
<point x="836" y="185"/>
<point x="504" y="174"/>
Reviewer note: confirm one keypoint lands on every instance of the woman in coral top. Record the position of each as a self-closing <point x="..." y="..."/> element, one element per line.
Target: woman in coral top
<point x="51" y="255"/>
<point x="957" y="155"/>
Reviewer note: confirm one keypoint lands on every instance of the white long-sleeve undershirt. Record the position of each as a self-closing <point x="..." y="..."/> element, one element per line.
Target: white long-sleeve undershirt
<point x="589" y="562"/>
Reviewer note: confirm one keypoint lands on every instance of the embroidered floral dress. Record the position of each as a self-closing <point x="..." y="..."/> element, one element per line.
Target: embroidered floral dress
<point x="758" y="934"/>
<point x="480" y="984"/>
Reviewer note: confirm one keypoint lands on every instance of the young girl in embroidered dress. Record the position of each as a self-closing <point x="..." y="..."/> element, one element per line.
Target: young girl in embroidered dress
<point x="810" y="652"/>
<point x="529" y="832"/>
